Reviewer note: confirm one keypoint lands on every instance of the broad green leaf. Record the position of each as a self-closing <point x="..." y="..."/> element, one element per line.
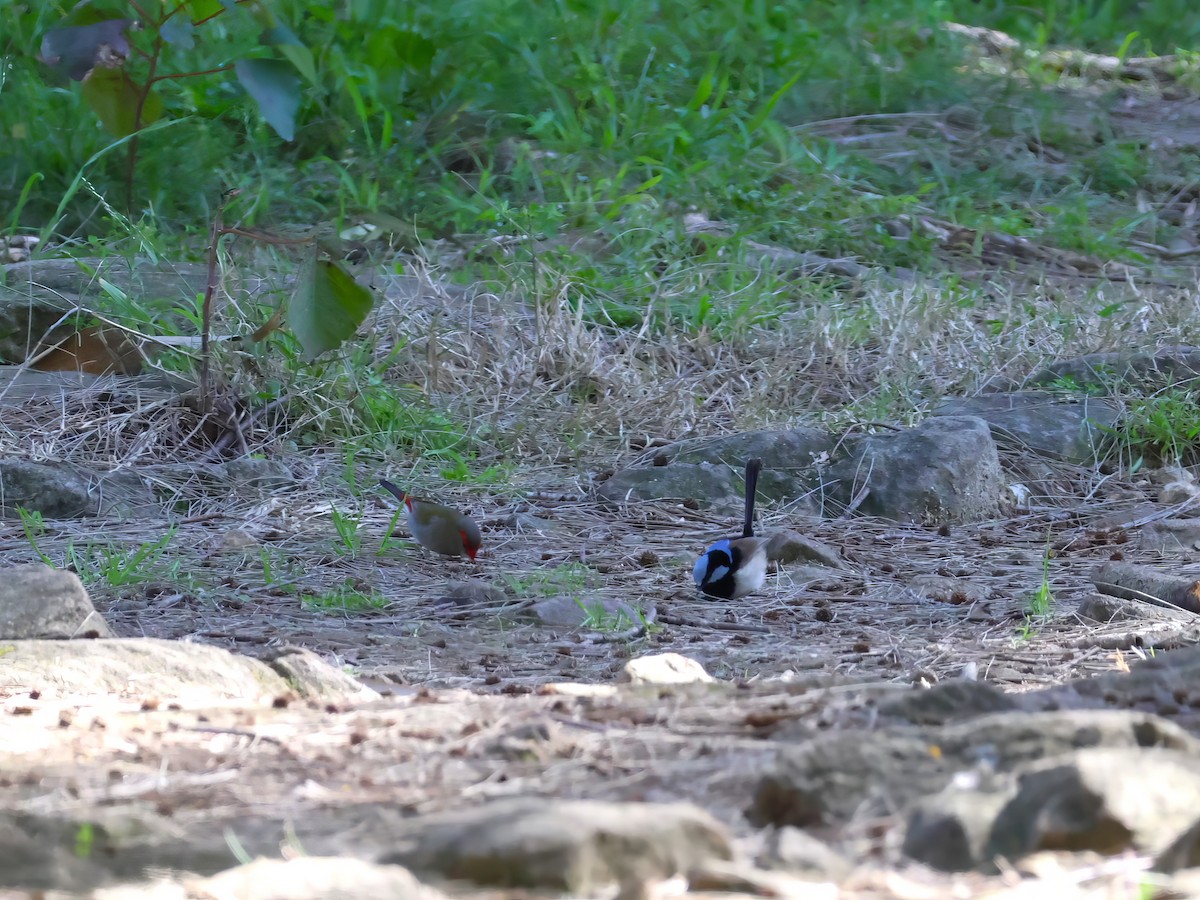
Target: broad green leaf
<point x="285" y="41"/>
<point x="179" y="32"/>
<point x="78" y="49"/>
<point x="300" y="57"/>
<point x="277" y="35"/>
<point x="113" y="97"/>
<point x="203" y="10"/>
<point x="327" y="307"/>
<point x="275" y="87"/>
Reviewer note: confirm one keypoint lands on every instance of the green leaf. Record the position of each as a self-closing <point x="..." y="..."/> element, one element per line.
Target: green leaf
<point x="327" y="308"/>
<point x="179" y="32"/>
<point x="203" y="10"/>
<point x="764" y="112"/>
<point x="78" y="49"/>
<point x="300" y="57"/>
<point x="113" y="97"/>
<point x="275" y="87"/>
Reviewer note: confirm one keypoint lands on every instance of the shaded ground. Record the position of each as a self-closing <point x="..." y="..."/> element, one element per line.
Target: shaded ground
<point x="865" y="620"/>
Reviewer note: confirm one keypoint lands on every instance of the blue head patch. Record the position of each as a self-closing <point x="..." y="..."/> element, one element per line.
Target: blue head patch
<point x="714" y="564"/>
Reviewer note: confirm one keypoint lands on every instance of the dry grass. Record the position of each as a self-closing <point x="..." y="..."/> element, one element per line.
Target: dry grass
<point x="555" y="399"/>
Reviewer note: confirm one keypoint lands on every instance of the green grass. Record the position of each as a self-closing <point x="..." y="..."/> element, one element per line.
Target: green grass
<point x="1040" y="602"/>
<point x="569" y="153"/>
<point x="345" y="598"/>
<point x="1160" y="429"/>
<point x="515" y="118"/>
<point x="119" y="566"/>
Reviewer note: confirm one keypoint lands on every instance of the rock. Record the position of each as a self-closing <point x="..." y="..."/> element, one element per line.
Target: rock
<point x="1181" y="853"/>
<point x="303" y="878"/>
<point x="1171" y="536"/>
<point x="783" y="453"/>
<point x="709" y="470"/>
<point x="314" y="679"/>
<point x="950" y="829"/>
<point x="577" y="846"/>
<point x="709" y="486"/>
<point x="65" y="491"/>
<point x="104" y="845"/>
<point x="1169" y="474"/>
<point x="664" y="668"/>
<point x="525" y="523"/>
<point x="37" y="601"/>
<point x="740" y="879"/>
<point x="571" y="611"/>
<point x="1178" y="492"/>
<point x="193" y="674"/>
<point x="788" y="547"/>
<point x="35" y="854"/>
<point x="1062" y="427"/>
<point x="256" y="475"/>
<point x="946" y="589"/>
<point x="1168" y="365"/>
<point x="948" y="701"/>
<point x="797" y="851"/>
<point x="832" y="777"/>
<point x="945" y="471"/>
<point x="1105" y="799"/>
<point x="1103" y="608"/>
<point x="473" y="592"/>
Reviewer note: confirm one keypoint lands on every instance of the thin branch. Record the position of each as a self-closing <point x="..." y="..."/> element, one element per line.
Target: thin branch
<point x="215" y="71"/>
<point x="210" y="288"/>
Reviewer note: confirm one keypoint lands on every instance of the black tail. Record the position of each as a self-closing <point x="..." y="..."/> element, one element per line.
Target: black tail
<point x="391" y="488"/>
<point x="753" y="467"/>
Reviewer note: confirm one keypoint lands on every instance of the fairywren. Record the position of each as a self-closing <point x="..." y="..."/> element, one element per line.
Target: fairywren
<point x="734" y="567"/>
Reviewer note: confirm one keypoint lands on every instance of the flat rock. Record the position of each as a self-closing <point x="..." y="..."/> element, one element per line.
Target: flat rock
<point x="950" y="829"/>
<point x="778" y="449"/>
<point x="833" y="777"/>
<point x="38" y="601"/>
<point x="1106" y="799"/>
<point x="797" y="851"/>
<point x="1054" y="425"/>
<point x="1173" y="536"/>
<point x="187" y="673"/>
<point x="67" y="491"/>
<point x="949" y="701"/>
<point x="1168" y="365"/>
<point x="21" y="385"/>
<point x="664" y="668"/>
<point x="300" y="878"/>
<point x="472" y="592"/>
<point x="578" y="846"/>
<point x="708" y="486"/>
<point x="571" y="611"/>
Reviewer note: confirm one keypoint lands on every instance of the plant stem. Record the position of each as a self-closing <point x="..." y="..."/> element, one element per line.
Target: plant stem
<point x="210" y="288"/>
